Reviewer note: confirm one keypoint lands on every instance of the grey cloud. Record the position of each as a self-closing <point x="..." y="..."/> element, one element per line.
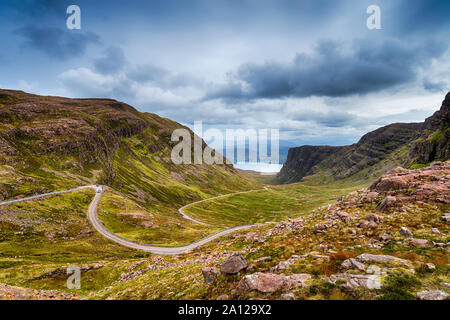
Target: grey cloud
<point x="434" y="86"/>
<point x="57" y="43"/>
<point x="146" y="73"/>
<point x="161" y="77"/>
<point x="113" y="61"/>
<point x="333" y="119"/>
<point x="333" y="70"/>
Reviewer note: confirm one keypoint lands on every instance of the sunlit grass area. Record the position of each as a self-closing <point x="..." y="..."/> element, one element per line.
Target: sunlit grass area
<point x="276" y="203"/>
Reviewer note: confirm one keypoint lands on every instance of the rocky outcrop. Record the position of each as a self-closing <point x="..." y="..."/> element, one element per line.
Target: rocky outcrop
<point x="429" y="184"/>
<point x="434" y="142"/>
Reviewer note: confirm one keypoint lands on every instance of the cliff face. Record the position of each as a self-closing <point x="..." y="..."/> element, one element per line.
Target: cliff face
<point x="371" y="153"/>
<point x="302" y="161"/>
<point x="54" y="142"/>
<point x="433" y="143"/>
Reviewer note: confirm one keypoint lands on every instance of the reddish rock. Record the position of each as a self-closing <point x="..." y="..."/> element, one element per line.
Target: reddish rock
<point x="353" y="264"/>
<point x="419" y="243"/>
<point x="270" y="282"/>
<point x="344" y="216"/>
<point x="404" y="231"/>
<point x="446" y="217"/>
<point x="387" y="203"/>
<point x="210" y="274"/>
<point x="374" y="217"/>
<point x="319" y="228"/>
<point x="233" y="264"/>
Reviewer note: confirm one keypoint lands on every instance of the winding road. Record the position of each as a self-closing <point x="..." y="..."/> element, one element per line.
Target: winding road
<point x="155" y="249"/>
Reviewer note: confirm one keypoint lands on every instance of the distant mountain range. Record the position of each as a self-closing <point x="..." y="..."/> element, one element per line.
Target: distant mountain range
<point x="398" y="144"/>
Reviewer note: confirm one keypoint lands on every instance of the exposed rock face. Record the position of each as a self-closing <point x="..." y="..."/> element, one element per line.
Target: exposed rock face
<point x="430" y="184"/>
<point x="302" y="161"/>
<point x="357" y="280"/>
<point x="379" y="258"/>
<point x="434" y="143"/>
<point x="342" y="162"/>
<point x="234" y="264"/>
<point x="353" y="264"/>
<point x="270" y="282"/>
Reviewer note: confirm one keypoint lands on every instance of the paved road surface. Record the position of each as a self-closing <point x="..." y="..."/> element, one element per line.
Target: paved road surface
<point x="162" y="250"/>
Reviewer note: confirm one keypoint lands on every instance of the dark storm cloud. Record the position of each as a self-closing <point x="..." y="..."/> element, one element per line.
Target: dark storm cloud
<point x="333" y="70"/>
<point x="113" y="61"/>
<point x="55" y="42"/>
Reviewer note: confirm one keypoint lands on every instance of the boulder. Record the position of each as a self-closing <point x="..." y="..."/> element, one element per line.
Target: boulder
<point x="344" y="216"/>
<point x="287" y="296"/>
<point x="446" y="217"/>
<point x="353" y="264"/>
<point x="379" y="258"/>
<point x="319" y="228"/>
<point x="356" y="280"/>
<point x="233" y="264"/>
<point x="430" y="266"/>
<point x="419" y="243"/>
<point x="210" y="274"/>
<point x="433" y="295"/>
<point x="388" y="202"/>
<point x="385" y="237"/>
<point x="374" y="218"/>
<point x="371" y="196"/>
<point x="404" y="231"/>
<point x="271" y="282"/>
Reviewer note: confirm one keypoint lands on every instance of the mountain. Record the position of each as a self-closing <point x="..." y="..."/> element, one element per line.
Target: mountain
<point x="398" y="144"/>
<point x="49" y="143"/>
<point x="377" y="151"/>
<point x="433" y="144"/>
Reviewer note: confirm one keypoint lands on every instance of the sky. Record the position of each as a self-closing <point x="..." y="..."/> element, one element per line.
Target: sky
<point x="312" y="68"/>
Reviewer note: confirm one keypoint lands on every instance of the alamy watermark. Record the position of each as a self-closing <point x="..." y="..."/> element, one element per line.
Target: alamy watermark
<point x="74" y="279"/>
<point x="74" y="20"/>
<point x="374" y="20"/>
<point x="238" y="145"/>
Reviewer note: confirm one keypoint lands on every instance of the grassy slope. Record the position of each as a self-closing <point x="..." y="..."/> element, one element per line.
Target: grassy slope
<point x="274" y="204"/>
